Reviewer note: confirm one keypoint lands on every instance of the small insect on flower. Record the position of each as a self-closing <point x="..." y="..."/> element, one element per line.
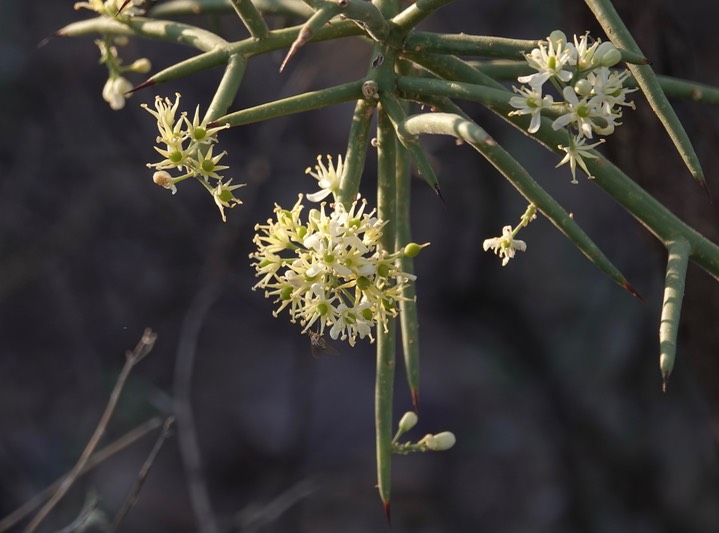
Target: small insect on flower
<point x="320" y="345"/>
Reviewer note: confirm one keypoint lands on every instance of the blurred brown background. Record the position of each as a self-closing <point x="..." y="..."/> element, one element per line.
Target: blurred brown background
<point x="545" y="370"/>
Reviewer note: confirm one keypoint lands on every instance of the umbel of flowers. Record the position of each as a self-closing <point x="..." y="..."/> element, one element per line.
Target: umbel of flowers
<point x="187" y="146"/>
<point x="330" y="272"/>
<point x="592" y="93"/>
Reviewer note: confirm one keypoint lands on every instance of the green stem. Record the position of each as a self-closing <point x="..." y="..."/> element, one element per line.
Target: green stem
<point x="356" y="151"/>
<point x="251" y="18"/>
<point x="369" y="16"/>
<point x="417" y="12"/>
<point x="393" y="108"/>
<point x="409" y="321"/>
<point x="228" y="87"/>
<point x="384" y="384"/>
<point x="469" y="45"/>
<point x="294" y="104"/>
<point x="174" y="8"/>
<point x="440" y="63"/>
<point x="618" y="33"/>
<point x="677" y="263"/>
<point x="155" y="29"/>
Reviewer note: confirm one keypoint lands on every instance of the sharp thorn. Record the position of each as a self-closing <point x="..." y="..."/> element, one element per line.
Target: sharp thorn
<point x="705" y="186"/>
<point x="415" y="400"/>
<point x="143" y="85"/>
<point x="633" y="291"/>
<point x="124" y="4"/>
<point x="388" y="513"/>
<point x="439" y="193"/>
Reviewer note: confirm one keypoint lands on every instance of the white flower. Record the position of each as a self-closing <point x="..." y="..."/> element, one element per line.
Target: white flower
<point x="607" y="88"/>
<point x="115" y="92"/>
<point x="549" y="60"/>
<point x="575" y="154"/>
<point x="327" y="177"/>
<point x="224" y="197"/>
<point x="530" y="102"/>
<point x="579" y="113"/>
<point x="505" y="246"/>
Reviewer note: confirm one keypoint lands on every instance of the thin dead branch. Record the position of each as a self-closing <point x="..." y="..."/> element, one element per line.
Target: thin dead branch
<point x="144" y="346"/>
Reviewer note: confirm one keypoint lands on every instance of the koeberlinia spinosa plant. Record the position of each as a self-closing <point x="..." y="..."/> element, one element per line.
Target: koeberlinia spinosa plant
<point x="593" y="95"/>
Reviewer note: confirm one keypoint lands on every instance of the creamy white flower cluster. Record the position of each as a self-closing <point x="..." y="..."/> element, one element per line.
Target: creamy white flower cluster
<point x="592" y="93"/>
<point x="188" y="146"/>
<point x="330" y="272"/>
<point x="117" y="88"/>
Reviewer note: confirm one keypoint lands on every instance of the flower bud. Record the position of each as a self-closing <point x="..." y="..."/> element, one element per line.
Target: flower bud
<point x="440" y="441"/>
<point x="583" y="87"/>
<point x="141" y="66"/>
<point x="557" y="37"/>
<point x="407" y="422"/>
<point x="607" y="55"/>
<point x="412" y="249"/>
<point x="115" y="92"/>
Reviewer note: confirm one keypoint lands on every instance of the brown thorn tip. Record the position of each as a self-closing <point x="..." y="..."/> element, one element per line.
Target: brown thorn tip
<point x="647" y="61"/>
<point x="439" y="193"/>
<point x="665" y="382"/>
<point x="143" y="85"/>
<point x="705" y="186"/>
<point x="122" y="7"/>
<point x="415" y="400"/>
<point x="388" y="513"/>
<point x="633" y="291"/>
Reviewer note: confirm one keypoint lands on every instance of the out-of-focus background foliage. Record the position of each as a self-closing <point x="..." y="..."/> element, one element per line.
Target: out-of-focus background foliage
<point x="545" y="370"/>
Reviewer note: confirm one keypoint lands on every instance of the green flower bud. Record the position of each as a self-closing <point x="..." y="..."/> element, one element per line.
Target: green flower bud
<point x="286" y="293"/>
<point x="412" y="249"/>
<point x="607" y="55"/>
<point x="583" y="87"/>
<point x="363" y="282"/>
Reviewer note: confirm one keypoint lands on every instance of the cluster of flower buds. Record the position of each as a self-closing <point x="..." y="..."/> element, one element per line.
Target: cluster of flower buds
<point x="330" y="272"/>
<point x="429" y="443"/>
<point x="592" y="93"/>
<point x="188" y="146"/>
<point x="117" y="88"/>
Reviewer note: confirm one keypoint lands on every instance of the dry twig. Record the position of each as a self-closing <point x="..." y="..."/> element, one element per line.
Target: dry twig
<point x="144" y="346"/>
